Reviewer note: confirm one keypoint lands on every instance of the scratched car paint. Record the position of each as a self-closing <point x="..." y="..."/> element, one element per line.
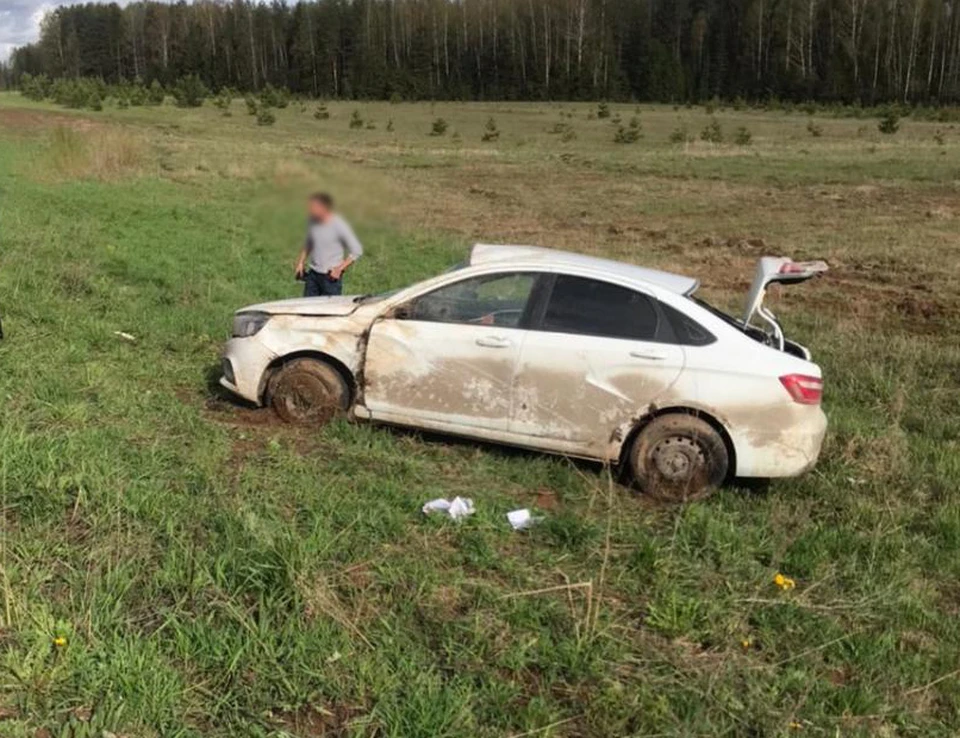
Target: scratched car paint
<point x="553" y="351"/>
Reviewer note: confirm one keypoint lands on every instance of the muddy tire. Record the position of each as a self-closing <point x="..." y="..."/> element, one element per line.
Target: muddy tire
<point x="677" y="458"/>
<point x="308" y="392"/>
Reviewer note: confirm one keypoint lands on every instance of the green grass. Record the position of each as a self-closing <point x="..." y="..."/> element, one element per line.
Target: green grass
<point x="214" y="573"/>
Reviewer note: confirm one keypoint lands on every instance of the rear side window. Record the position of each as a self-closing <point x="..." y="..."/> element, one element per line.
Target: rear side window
<point x="595" y="308"/>
<point x="686" y="331"/>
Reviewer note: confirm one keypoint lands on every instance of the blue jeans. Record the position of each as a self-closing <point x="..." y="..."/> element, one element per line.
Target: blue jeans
<point x="321" y="285"/>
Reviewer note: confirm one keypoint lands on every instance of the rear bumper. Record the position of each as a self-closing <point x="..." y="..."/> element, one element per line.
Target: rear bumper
<point x="786" y="452"/>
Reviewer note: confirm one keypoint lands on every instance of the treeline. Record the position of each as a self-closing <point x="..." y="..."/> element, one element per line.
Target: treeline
<point x="866" y="51"/>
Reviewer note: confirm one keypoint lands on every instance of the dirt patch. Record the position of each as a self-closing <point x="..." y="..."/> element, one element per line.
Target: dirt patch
<point x="924" y="312"/>
<point x="242" y="416"/>
<point x="546" y="499"/>
<point x="311" y="721"/>
<point x="747" y="246"/>
<point x="34" y="121"/>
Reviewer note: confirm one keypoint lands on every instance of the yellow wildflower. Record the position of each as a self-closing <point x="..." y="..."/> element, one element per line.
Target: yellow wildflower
<point x="784" y="582"/>
<point x="746" y="643"/>
<point x="59" y="641"/>
<point x="795" y="725"/>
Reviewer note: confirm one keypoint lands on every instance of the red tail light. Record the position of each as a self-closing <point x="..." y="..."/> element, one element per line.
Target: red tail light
<point x="802" y="388"/>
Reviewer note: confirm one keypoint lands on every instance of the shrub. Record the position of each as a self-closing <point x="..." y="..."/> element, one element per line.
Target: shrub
<point x="889" y="123"/>
<point x="815" y="130"/>
<point x="396" y="98"/>
<point x="439" y="127"/>
<point x="568" y="135"/>
<point x="155" y="93"/>
<point x="138" y="94"/>
<point x="190" y="92"/>
<point x="490" y="131"/>
<point x="356" y="120"/>
<point x="626" y="135"/>
<point x="938" y="137"/>
<point x="712" y="133"/>
<point x="265" y="116"/>
<point x="559" y="129"/>
<point x="390" y="125"/>
<point x="679" y="135"/>
<point x="274" y="97"/>
<point x="371" y="126"/>
<point x="321" y="113"/>
<point x="223" y="100"/>
<point x="35" y="88"/>
<point x="603" y="110"/>
<point x="742" y="137"/>
<point x="252" y="105"/>
<point x="73" y="93"/>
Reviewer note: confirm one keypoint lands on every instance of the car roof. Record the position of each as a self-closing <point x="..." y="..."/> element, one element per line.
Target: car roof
<point x="488" y="253"/>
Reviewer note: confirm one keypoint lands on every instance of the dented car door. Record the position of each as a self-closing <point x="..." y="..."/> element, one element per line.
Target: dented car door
<point x="593" y="362"/>
<point x="447" y="358"/>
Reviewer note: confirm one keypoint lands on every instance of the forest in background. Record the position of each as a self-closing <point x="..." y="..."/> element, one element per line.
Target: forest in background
<point x="849" y="51"/>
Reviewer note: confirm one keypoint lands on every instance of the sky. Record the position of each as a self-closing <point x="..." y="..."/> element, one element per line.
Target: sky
<point x="20" y="23"/>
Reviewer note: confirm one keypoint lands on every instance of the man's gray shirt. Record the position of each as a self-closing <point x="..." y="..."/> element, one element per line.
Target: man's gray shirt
<point x="328" y="243"/>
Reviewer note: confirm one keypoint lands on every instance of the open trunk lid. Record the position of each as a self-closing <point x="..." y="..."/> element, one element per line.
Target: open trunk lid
<point x="776" y="270"/>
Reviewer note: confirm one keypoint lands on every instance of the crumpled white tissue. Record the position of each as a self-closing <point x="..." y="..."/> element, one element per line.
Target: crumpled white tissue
<point x="457" y="508"/>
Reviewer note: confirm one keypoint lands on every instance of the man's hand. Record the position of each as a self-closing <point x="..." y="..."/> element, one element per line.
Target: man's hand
<point x="299" y="270"/>
<point x="337" y="272"/>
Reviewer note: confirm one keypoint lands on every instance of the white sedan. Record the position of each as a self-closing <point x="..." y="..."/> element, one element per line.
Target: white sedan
<point x="553" y="351"/>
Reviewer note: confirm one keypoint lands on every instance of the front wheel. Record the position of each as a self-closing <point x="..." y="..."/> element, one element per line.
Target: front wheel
<point x="677" y="458"/>
<point x="308" y="392"/>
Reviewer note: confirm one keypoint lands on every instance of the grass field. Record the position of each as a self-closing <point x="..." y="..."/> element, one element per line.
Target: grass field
<point x="177" y="565"/>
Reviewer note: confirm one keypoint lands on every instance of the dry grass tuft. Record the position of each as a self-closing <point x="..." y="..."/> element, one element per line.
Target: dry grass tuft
<point x="101" y="153"/>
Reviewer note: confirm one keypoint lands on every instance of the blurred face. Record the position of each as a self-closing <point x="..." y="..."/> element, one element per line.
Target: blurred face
<point x="317" y="210"/>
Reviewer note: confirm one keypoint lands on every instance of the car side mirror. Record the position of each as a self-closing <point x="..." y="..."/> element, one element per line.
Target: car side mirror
<point x="403" y="312"/>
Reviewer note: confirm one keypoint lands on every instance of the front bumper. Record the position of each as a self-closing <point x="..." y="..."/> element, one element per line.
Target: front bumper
<point x="244" y="365"/>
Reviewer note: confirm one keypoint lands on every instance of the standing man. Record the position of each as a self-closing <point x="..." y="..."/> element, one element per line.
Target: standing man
<point x="330" y="248"/>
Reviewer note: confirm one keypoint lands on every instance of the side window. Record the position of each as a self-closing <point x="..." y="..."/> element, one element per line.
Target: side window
<point x="495" y="299"/>
<point x="591" y="307"/>
<point x="686" y="330"/>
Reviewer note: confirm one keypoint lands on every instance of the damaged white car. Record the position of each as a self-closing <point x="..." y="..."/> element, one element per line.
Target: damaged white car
<point x="553" y="351"/>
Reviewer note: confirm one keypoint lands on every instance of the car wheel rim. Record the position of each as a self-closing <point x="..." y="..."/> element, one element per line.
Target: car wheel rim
<point x="307" y="398"/>
<point x="678" y="459"/>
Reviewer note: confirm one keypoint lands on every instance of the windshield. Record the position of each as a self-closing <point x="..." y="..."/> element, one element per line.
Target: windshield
<point x="375" y="297"/>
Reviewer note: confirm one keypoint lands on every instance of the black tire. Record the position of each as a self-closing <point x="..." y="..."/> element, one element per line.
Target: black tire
<point x="308" y="392"/>
<point x="677" y="458"/>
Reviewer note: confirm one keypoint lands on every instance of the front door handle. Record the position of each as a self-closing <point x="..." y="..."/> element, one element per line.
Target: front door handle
<point x="493" y="342"/>
<point x="650" y="354"/>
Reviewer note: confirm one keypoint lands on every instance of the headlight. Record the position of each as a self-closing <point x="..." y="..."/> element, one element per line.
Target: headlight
<point x="248" y="324"/>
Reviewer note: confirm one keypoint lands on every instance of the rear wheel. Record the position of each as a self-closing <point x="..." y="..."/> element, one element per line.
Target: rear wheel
<point x="677" y="458"/>
<point x="308" y="392"/>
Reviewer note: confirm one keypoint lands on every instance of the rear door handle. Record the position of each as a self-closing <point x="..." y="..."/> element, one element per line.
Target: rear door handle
<point x="494" y="342"/>
<point x="650" y="354"/>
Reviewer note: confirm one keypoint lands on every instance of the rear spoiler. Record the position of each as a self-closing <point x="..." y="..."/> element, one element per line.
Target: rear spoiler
<point x="776" y="270"/>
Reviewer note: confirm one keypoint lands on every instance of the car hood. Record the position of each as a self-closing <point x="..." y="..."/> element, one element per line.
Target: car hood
<point x="341" y="305"/>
